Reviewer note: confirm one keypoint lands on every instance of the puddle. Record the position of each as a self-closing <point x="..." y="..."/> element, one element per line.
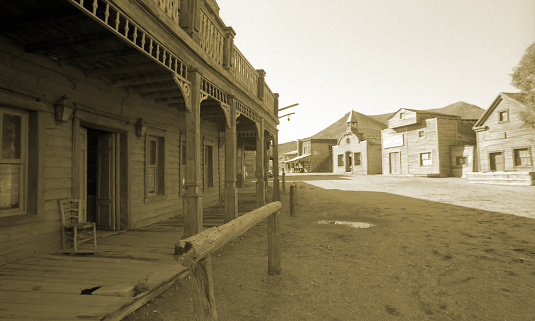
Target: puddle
<point x="352" y="224"/>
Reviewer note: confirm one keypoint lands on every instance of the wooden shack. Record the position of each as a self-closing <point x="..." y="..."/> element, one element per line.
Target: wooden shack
<point x="505" y="144"/>
<point x="136" y="107"/>
<point x="421" y="143"/>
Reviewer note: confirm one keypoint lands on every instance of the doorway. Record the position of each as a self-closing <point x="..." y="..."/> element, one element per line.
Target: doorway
<point x="395" y="163"/>
<point x="349" y="161"/>
<point x="100" y="182"/>
<point x="497" y="162"/>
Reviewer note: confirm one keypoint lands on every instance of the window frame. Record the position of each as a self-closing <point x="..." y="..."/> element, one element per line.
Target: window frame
<point x="157" y="136"/>
<point x="421" y="133"/>
<point x="516" y="157"/>
<point x="503" y="112"/>
<point x="22" y="161"/>
<point x="340" y="160"/>
<point x="426" y="161"/>
<point x="359" y="159"/>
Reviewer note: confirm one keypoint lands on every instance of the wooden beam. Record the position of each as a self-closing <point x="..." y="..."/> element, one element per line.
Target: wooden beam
<point x="99" y="56"/>
<point x="196" y="247"/>
<point x="68" y="41"/>
<point x="122" y="70"/>
<point x="148" y="89"/>
<point x="260" y="152"/>
<point x="172" y="94"/>
<point x="141" y="80"/>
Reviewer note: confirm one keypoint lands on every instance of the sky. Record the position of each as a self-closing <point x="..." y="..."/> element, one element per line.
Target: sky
<point x="376" y="56"/>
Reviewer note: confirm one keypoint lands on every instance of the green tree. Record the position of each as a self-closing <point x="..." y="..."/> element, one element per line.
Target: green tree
<point x="524" y="79"/>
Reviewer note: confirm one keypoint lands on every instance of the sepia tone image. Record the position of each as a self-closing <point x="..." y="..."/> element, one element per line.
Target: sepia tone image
<point x="267" y="160"/>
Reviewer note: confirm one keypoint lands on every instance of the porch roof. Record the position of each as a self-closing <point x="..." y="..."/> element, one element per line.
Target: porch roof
<point x="297" y="158"/>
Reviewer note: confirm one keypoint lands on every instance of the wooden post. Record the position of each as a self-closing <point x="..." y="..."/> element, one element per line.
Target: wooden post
<point x="274" y="255"/>
<point x="231" y="192"/>
<point x="260" y="151"/>
<point x="283" y="180"/>
<point x="293" y="189"/>
<point x="193" y="222"/>
<point x="203" y="290"/>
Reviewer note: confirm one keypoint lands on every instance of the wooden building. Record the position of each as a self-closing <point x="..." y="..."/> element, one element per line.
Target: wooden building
<point x="419" y="142"/>
<point x="136" y="107"/>
<point x="313" y="156"/>
<point x="505" y="144"/>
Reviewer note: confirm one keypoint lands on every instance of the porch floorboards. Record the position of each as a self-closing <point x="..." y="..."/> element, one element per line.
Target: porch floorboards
<point x="130" y="269"/>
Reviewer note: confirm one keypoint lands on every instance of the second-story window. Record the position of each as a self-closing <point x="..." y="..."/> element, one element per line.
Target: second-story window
<point x="503" y="116"/>
<point x="401" y="115"/>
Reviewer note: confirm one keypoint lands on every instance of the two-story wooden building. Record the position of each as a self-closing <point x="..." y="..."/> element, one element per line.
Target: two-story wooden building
<point x="505" y="144"/>
<point x="427" y="143"/>
<point x="359" y="149"/>
<point x="136" y="107"/>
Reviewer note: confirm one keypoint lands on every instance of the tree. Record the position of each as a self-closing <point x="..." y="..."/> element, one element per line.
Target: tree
<point x="524" y="79"/>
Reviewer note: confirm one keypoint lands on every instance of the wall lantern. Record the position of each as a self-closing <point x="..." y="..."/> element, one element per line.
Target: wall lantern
<point x="140" y="128"/>
<point x="63" y="109"/>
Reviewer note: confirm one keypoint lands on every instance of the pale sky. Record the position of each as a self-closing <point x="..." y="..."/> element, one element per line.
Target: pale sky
<point x="376" y="56"/>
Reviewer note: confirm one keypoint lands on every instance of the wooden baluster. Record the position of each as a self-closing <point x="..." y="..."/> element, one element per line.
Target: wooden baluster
<point x="95" y="6"/>
<point x="126" y="28"/>
<point x="107" y="13"/>
<point x="117" y="21"/>
<point x="135" y="35"/>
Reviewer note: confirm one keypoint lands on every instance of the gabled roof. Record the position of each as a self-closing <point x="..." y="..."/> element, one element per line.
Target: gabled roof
<point x="426" y="112"/>
<point x="519" y="98"/>
<point x="338" y="129"/>
<point x="460" y="108"/>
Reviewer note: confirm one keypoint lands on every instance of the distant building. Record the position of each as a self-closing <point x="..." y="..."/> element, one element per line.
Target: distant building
<point x="359" y="149"/>
<point x="313" y="155"/>
<point x="419" y="142"/>
<point x="506" y="146"/>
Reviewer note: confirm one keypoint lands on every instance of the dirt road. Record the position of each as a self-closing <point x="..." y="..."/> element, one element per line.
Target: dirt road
<point x="423" y="258"/>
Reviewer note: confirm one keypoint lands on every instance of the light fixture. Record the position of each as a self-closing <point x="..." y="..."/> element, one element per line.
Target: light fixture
<point x="63" y="109"/>
<point x="140" y="128"/>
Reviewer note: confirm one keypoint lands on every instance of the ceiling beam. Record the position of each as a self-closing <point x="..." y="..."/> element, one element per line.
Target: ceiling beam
<point x="121" y="70"/>
<point x="67" y="41"/>
<point x="141" y="80"/>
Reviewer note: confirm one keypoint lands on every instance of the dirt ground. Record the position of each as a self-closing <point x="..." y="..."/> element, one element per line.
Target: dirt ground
<point x="439" y="249"/>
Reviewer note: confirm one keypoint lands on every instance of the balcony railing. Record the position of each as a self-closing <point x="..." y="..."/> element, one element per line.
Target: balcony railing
<point x="212" y="38"/>
<point x="171" y="7"/>
<point x="244" y="71"/>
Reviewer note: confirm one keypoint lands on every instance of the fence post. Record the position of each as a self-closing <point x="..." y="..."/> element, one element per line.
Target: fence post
<point x="293" y="196"/>
<point x="203" y="290"/>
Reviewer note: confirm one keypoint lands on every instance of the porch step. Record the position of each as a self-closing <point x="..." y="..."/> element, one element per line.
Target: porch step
<point x="521" y="178"/>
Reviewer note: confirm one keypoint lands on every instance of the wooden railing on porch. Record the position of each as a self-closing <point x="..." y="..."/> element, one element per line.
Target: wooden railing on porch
<point x="171" y="7"/>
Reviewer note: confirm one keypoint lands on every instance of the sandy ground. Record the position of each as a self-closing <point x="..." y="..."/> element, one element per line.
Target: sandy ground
<point x="439" y="249"/>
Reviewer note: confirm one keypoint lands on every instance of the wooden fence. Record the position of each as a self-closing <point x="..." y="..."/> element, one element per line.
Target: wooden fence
<point x="194" y="253"/>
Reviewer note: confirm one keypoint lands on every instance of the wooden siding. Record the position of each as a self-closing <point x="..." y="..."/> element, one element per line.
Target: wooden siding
<point x="101" y="107"/>
<point x="409" y="118"/>
<point x="505" y="137"/>
<point x="432" y="135"/>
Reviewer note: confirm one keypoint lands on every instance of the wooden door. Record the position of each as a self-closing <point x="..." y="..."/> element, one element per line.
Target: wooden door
<point x="106" y="181"/>
<point x="497" y="162"/>
<point x="82" y="171"/>
<point x="395" y="163"/>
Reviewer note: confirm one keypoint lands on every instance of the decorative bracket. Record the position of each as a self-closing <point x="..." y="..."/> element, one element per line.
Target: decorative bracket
<point x="186" y="90"/>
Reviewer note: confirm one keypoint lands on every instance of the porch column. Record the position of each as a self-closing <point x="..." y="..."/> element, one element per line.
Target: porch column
<point x="267" y="150"/>
<point x="260" y="154"/>
<point x="276" y="187"/>
<point x="193" y="222"/>
<point x="231" y="192"/>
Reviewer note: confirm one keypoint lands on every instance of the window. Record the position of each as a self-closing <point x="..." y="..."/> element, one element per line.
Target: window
<point x="401" y="115"/>
<point x="460" y="160"/>
<point x="357" y="159"/>
<point x="503" y="116"/>
<point x="421" y="133"/>
<point x="12" y="161"/>
<point x="305" y="150"/>
<point x="154" y="168"/>
<point x="522" y="157"/>
<point x="425" y="159"/>
<point x="341" y="160"/>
